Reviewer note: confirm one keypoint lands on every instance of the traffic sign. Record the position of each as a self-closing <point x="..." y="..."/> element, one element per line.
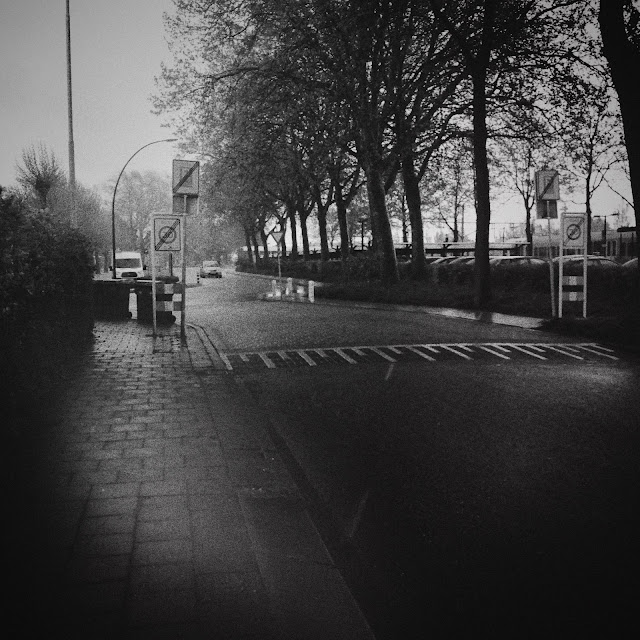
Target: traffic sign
<point x="574" y="230"/>
<point x="166" y="233"/>
<point x="186" y="177"/>
<point x="547" y="184"/>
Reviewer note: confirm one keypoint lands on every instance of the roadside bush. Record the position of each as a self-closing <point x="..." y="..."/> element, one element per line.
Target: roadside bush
<point x="46" y="310"/>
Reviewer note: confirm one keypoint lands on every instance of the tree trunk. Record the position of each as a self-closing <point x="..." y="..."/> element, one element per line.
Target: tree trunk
<point x="294" y="230"/>
<point x="256" y="250"/>
<point x="623" y="56"/>
<point x="412" y="194"/>
<point x="247" y="239"/>
<point x="305" y="236"/>
<point x="341" y="208"/>
<point x="528" y="229"/>
<point x="482" y="273"/>
<point x="322" y="227"/>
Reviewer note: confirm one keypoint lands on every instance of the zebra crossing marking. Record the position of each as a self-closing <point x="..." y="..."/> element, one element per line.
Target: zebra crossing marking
<point x="529" y="353"/>
<point x="430" y="352"/>
<point x="342" y="354"/>
<point x="422" y="354"/>
<point x="495" y="352"/>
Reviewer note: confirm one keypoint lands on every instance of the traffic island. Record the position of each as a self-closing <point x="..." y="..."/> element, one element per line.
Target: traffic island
<point x="111" y="299"/>
<point x="303" y="292"/>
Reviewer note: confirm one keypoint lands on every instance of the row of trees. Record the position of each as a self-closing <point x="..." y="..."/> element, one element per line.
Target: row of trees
<point x="299" y="105"/>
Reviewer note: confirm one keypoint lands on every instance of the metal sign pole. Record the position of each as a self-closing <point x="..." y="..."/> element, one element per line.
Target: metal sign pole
<point x="551" y="282"/>
<point x="153" y="284"/>
<point x="584" y="272"/>
<point x="561" y="268"/>
<point x="183" y="246"/>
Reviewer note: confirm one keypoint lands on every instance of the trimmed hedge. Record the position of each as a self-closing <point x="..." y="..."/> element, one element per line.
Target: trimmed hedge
<point x="46" y="304"/>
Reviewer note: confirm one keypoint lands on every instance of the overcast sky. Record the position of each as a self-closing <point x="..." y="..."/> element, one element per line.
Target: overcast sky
<point x="117" y="47"/>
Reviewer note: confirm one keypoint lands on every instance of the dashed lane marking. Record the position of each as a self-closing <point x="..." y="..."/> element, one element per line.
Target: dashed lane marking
<point x="435" y="352"/>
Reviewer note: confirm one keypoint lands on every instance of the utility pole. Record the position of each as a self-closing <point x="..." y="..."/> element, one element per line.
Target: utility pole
<point x="72" y="162"/>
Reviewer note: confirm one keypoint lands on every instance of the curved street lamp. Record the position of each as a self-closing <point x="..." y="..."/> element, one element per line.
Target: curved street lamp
<point x="113" y="201"/>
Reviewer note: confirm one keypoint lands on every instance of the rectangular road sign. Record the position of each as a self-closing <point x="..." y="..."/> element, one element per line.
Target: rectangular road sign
<point x="186" y="177"/>
<point x="574" y="231"/>
<point x="547" y="184"/>
<point x="166" y="233"/>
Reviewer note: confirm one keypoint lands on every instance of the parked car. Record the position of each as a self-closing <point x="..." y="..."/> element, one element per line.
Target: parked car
<point x="210" y="269"/>
<point x="592" y="261"/>
<point x="631" y="264"/>
<point x="129" y="265"/>
<point x="500" y="261"/>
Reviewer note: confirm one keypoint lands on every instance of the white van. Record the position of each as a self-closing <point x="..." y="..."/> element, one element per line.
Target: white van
<point x="129" y="265"/>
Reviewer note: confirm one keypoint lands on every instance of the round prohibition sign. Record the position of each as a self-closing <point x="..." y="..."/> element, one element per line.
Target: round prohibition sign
<point x="574" y="231"/>
<point x="167" y="235"/>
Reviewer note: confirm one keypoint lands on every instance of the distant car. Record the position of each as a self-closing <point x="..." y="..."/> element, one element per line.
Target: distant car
<point x="500" y="261"/>
<point x="631" y="264"/>
<point x="210" y="269"/>
<point x="592" y="261"/>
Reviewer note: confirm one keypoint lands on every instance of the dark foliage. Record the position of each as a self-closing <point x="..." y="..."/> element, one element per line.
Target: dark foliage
<point x="46" y="310"/>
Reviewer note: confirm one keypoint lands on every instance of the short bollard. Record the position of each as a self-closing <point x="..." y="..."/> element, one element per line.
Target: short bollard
<point x="312" y="293"/>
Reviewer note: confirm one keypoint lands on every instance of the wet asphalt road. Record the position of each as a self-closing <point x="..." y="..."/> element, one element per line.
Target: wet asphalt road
<point x="482" y="496"/>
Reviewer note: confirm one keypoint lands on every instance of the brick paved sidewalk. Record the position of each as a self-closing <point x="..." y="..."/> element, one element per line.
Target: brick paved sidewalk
<point x="163" y="509"/>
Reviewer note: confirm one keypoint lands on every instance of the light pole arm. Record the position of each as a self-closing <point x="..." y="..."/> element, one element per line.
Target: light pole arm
<point x="113" y="200"/>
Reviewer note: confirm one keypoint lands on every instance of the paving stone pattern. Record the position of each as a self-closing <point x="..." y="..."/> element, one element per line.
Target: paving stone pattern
<point x="165" y="511"/>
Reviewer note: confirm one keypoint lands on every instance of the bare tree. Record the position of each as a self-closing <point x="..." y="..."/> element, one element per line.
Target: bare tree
<point x="39" y="173"/>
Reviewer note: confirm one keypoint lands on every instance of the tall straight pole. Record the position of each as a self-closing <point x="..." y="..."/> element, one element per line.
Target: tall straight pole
<point x="551" y="282"/>
<point x="183" y="246"/>
<point x="72" y="161"/>
<point x="154" y="305"/>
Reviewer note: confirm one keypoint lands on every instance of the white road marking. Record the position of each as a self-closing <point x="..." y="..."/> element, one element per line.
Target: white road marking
<point x="422" y="354"/>
<point x="307" y="358"/>
<point x="342" y="354"/>
<point x="265" y="358"/>
<point x="488" y="349"/>
<point x="227" y="362"/>
<point x="382" y="354"/>
<point x="563" y="352"/>
<point x="500" y="350"/>
<point x="523" y="350"/>
<point x="599" y="353"/>
<point x="448" y="347"/>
